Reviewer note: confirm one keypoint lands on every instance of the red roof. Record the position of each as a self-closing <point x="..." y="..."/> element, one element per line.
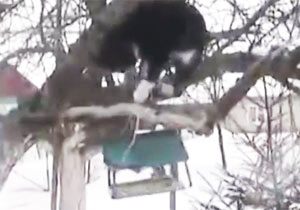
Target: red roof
<point x="13" y="83"/>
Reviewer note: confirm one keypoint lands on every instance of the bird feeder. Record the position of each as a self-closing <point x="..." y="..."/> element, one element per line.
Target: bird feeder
<point x="155" y="149"/>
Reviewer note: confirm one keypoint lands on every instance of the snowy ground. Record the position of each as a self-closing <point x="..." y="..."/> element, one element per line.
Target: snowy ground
<point x="24" y="189"/>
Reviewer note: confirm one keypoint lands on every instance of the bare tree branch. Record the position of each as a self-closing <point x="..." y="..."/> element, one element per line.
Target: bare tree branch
<point x="23" y="51"/>
<point x="169" y="115"/>
<point x="234" y="34"/>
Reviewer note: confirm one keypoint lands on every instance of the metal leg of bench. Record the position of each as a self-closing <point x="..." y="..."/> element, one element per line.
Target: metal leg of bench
<point x="111" y="175"/>
<point x="173" y="200"/>
<point x="188" y="174"/>
<point x="174" y="172"/>
<point x="108" y="177"/>
<point x="114" y="176"/>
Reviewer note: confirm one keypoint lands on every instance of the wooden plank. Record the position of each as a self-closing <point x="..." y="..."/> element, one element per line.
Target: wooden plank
<point x="145" y="187"/>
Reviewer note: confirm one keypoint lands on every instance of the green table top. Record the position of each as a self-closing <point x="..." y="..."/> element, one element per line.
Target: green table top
<point x="152" y="149"/>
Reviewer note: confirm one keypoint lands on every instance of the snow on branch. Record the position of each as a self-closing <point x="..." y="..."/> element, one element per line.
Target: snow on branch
<point x="280" y="64"/>
<point x="195" y="117"/>
<point x="198" y="117"/>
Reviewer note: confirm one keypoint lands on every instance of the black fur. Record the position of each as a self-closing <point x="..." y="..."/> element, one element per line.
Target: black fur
<point x="157" y="28"/>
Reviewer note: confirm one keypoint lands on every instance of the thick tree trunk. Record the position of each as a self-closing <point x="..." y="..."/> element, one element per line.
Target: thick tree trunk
<point x="72" y="179"/>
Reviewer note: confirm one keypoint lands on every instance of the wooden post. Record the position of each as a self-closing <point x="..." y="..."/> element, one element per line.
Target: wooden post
<point x="71" y="172"/>
<point x="56" y="145"/>
<point x="174" y="172"/>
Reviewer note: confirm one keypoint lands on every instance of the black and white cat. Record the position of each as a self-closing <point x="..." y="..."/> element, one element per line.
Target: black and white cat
<point x="161" y="32"/>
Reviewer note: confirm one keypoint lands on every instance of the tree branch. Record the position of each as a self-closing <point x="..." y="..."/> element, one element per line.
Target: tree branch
<point x="23" y="51"/>
<point x="282" y="68"/>
<point x="193" y="116"/>
<point x="234" y="34"/>
<point x="198" y="117"/>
